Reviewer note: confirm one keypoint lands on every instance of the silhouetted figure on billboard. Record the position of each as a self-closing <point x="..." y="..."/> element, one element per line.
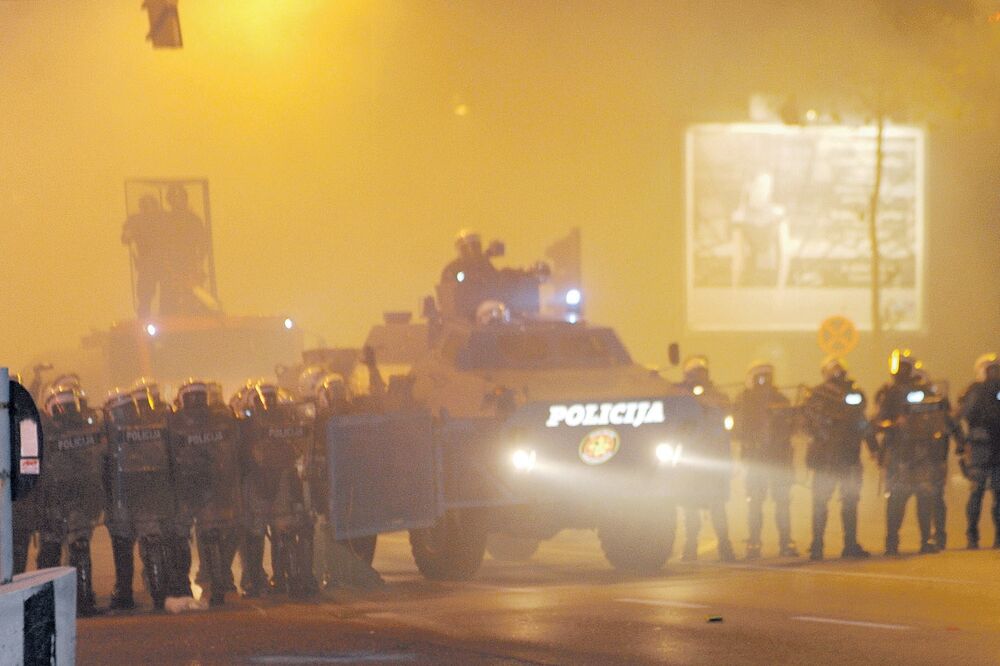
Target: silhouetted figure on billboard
<point x="143" y="233"/>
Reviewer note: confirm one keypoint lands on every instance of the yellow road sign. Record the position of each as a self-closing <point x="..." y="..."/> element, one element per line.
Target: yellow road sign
<point x="837" y="336"/>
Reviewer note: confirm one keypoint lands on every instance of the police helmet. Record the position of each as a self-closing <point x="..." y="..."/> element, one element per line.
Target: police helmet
<point x="259" y="397"/>
<point x="193" y="394"/>
<point x="492" y="312"/>
<point x="331" y="393"/>
<point x="146" y="394"/>
<point x="902" y="363"/>
<point x="984" y="364"/>
<point x="695" y="369"/>
<point x="309" y="380"/>
<point x="119" y="406"/>
<point x="215" y="398"/>
<point x="65" y="400"/>
<point x="833" y="367"/>
<point x="760" y="373"/>
<point x="468" y="242"/>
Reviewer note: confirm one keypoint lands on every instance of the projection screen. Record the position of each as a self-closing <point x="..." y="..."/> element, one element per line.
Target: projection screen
<point x="777" y="226"/>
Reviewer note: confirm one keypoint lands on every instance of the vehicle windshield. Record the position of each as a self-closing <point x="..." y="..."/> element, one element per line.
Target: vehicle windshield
<point x="556" y="347"/>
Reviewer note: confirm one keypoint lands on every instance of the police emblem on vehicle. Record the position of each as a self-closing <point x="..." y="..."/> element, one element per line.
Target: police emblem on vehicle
<point x="599" y="446"/>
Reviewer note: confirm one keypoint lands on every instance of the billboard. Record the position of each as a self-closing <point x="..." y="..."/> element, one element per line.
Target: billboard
<point x="777" y="226"/>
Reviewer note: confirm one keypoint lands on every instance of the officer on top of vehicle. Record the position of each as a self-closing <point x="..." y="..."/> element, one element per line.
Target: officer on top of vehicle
<point x="834" y="414"/>
<point x="204" y="449"/>
<point x="910" y="421"/>
<point x="69" y="495"/>
<point x="472" y="266"/>
<point x="710" y="488"/>
<point x="979" y="414"/>
<point x="763" y="425"/>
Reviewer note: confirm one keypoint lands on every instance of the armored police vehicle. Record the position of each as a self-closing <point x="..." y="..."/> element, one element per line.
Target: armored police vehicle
<point x="510" y="426"/>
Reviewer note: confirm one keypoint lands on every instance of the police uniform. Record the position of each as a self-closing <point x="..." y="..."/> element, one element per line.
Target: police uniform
<point x="140" y="497"/>
<point x="204" y="449"/>
<point x="979" y="412"/>
<point x="273" y="436"/>
<point x="915" y="426"/>
<point x="763" y="421"/>
<point x="834" y="413"/>
<point x="708" y="489"/>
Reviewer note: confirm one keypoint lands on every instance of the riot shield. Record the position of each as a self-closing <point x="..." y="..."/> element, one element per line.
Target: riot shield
<point x="142" y="499"/>
<point x="204" y="450"/>
<point x="70" y="494"/>
<point x="383" y="472"/>
<point x="272" y="443"/>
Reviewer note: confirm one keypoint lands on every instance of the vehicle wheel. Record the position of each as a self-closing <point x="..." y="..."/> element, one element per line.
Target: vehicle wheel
<point x="640" y="544"/>
<point x="362" y="548"/>
<point x="452" y="549"/>
<point x="506" y="548"/>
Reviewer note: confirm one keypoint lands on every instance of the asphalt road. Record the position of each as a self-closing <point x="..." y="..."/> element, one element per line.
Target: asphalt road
<point x="566" y="606"/>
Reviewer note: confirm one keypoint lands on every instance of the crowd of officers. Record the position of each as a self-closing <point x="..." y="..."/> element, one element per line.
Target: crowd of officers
<point x="231" y="473"/>
<point x="908" y="433"/>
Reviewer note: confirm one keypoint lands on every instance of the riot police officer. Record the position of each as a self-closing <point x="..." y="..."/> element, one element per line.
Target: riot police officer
<point x="273" y="438"/>
<point x="333" y="399"/>
<point x="979" y="413"/>
<point x="941" y="430"/>
<point x="912" y="423"/>
<point x="69" y="495"/>
<point x="834" y="413"/>
<point x="710" y="489"/>
<point x="763" y="420"/>
<point x="204" y="451"/>
<point x="140" y="499"/>
<point x="472" y="266"/>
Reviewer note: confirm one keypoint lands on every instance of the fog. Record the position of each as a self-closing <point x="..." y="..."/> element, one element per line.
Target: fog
<point x="346" y="143"/>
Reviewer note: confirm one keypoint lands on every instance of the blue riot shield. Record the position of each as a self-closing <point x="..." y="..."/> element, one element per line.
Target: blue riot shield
<point x="384" y="473"/>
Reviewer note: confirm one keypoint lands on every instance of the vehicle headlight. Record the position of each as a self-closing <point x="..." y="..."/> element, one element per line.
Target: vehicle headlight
<point x="524" y="459"/>
<point x="728" y="422"/>
<point x="669" y="453"/>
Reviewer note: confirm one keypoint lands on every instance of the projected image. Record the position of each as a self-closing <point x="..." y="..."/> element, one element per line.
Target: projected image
<point x="777" y="226"/>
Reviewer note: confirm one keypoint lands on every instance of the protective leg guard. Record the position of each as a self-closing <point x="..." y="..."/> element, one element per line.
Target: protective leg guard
<point x="279" y="563"/>
<point x="180" y="579"/>
<point x="229" y="543"/>
<point x="122" y="551"/>
<point x="925" y="511"/>
<point x="973" y="508"/>
<point x="819" y="516"/>
<point x="79" y="557"/>
<point x="154" y="551"/>
<point x="301" y="582"/>
<point x="894" y="511"/>
<point x="254" y="580"/>
<point x="211" y="567"/>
